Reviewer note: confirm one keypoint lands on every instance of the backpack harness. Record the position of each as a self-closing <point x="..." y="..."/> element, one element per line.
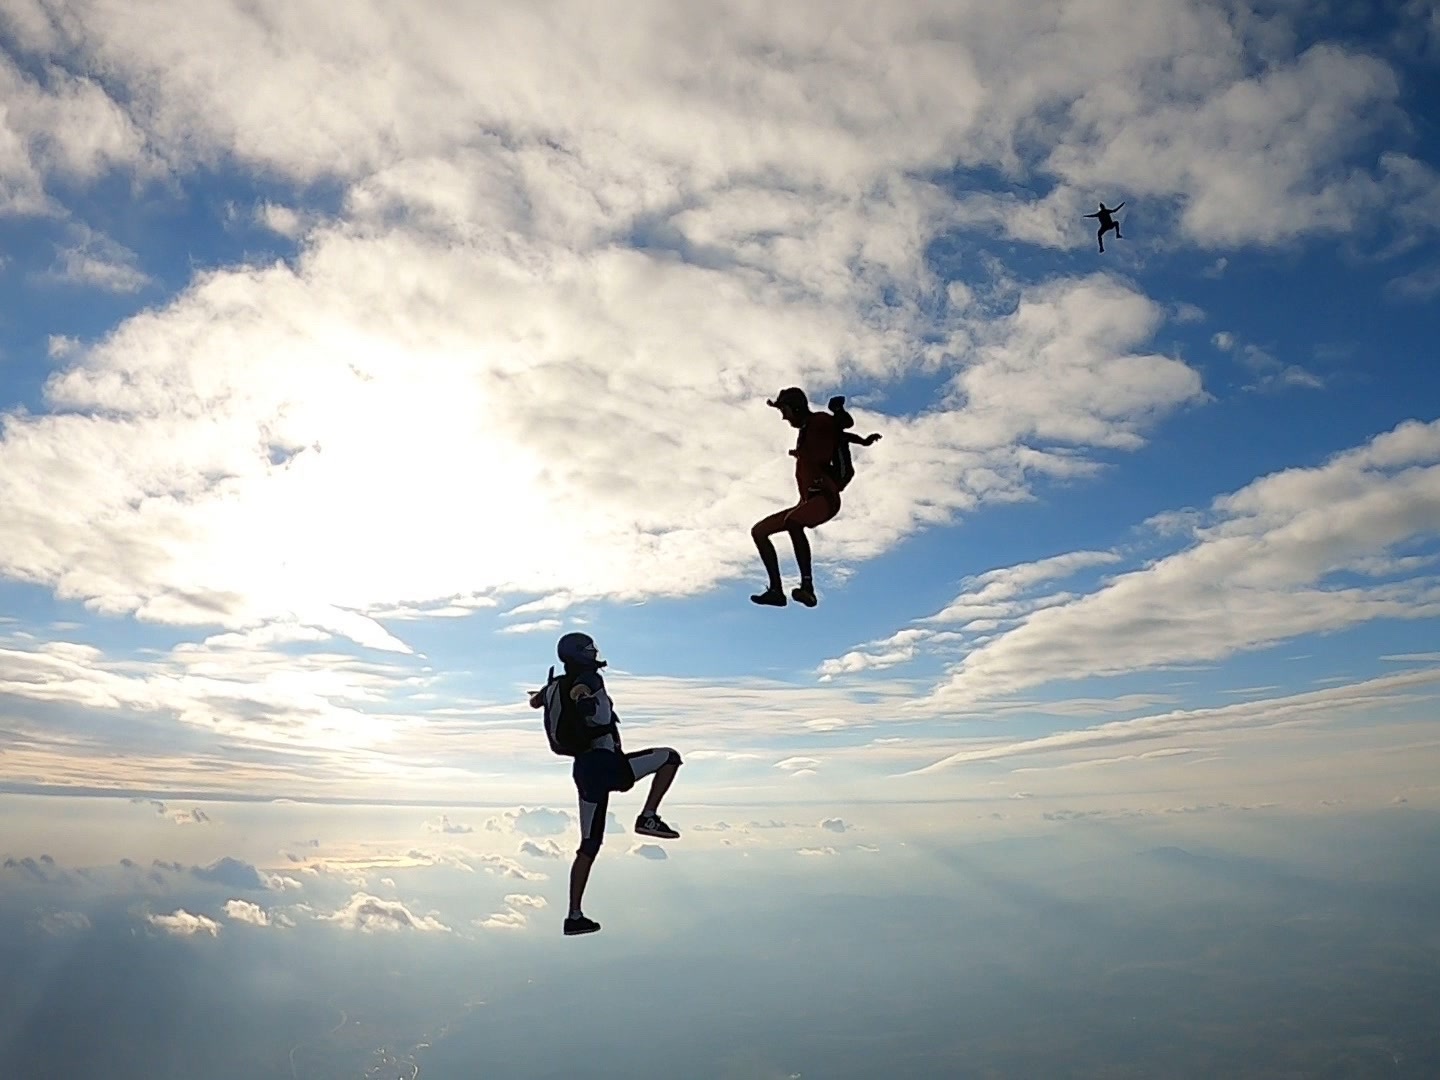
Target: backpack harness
<point x="565" y="728"/>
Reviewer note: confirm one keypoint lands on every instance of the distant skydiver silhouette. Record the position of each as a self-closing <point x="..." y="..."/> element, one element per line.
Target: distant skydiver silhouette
<point x="822" y="470"/>
<point x="1107" y="222"/>
<point x="581" y="723"/>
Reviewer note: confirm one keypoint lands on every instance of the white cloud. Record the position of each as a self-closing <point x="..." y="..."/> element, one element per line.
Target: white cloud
<point x="541" y="849"/>
<point x="990" y="600"/>
<point x="370" y="914"/>
<point x="67" y="128"/>
<point x="1259" y="573"/>
<point x="506" y="867"/>
<point x="59" y="346"/>
<point x="836" y="825"/>
<point x="61" y="923"/>
<point x="232" y="489"/>
<point x="793" y="764"/>
<point x="509" y="919"/>
<point x="247" y="912"/>
<point x="816" y="851"/>
<point x="537" y="626"/>
<point x="285" y="221"/>
<point x="1329" y="704"/>
<point x="541" y="821"/>
<point x="1422" y="284"/>
<point x="650" y="851"/>
<point x="445" y="825"/>
<point x="516" y="916"/>
<point x="183" y="924"/>
<point x="93" y="259"/>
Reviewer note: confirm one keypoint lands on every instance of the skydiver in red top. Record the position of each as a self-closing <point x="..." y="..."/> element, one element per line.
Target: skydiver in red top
<point x="815" y="449"/>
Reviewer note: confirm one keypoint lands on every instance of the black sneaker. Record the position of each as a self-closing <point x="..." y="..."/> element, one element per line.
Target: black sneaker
<point x="651" y="825"/>
<point x="582" y="925"/>
<point x="804" y="594"/>
<point x="770" y="597"/>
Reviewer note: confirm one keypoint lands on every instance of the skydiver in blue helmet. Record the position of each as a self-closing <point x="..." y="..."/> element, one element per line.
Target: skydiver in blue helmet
<point x="581" y="722"/>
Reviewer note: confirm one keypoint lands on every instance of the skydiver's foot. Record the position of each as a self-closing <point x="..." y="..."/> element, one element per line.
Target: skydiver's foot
<point x="651" y="825"/>
<point x="805" y="594"/>
<point x="580" y="925"/>
<point x="772" y="597"/>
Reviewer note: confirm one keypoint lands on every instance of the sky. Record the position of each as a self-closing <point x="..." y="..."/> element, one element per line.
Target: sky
<point x="351" y="355"/>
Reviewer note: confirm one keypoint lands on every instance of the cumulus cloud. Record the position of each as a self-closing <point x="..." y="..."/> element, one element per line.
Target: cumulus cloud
<point x="505" y="867"/>
<point x="445" y="825"/>
<point x="370" y="914"/>
<point x="650" y="851"/>
<point x="247" y="912"/>
<point x="789" y="212"/>
<point x="43" y="870"/>
<point x="836" y="825"/>
<point x="540" y="849"/>
<point x="1267" y="373"/>
<point x="503" y="254"/>
<point x="1418" y="285"/>
<point x="541" y="821"/>
<point x="193" y="816"/>
<point x="182" y="923"/>
<point x="816" y="851"/>
<point x="517" y="914"/>
<point x="64" y="128"/>
<point x="509" y="919"/>
<point x="98" y="261"/>
<point x="236" y="874"/>
<point x="61" y="923"/>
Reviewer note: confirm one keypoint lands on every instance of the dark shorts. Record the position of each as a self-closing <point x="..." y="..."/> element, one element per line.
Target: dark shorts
<point x="813" y="510"/>
<point x="599" y="772"/>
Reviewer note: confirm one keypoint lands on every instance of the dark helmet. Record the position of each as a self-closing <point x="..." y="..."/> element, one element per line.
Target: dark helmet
<point x="791" y="397"/>
<point x="578" y="650"/>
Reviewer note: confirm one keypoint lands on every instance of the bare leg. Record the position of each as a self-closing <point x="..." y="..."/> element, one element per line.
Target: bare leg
<point x="658" y="786"/>
<point x="802" y="551"/>
<point x="579" y="876"/>
<point x="768" y="556"/>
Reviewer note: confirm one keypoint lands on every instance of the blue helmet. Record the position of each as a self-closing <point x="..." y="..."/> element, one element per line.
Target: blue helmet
<point x="579" y="651"/>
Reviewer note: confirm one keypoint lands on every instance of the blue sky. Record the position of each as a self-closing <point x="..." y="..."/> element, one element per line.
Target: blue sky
<point x="348" y="360"/>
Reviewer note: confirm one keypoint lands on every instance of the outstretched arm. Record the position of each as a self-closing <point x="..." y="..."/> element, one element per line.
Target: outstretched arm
<point x="1092" y="215"/>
